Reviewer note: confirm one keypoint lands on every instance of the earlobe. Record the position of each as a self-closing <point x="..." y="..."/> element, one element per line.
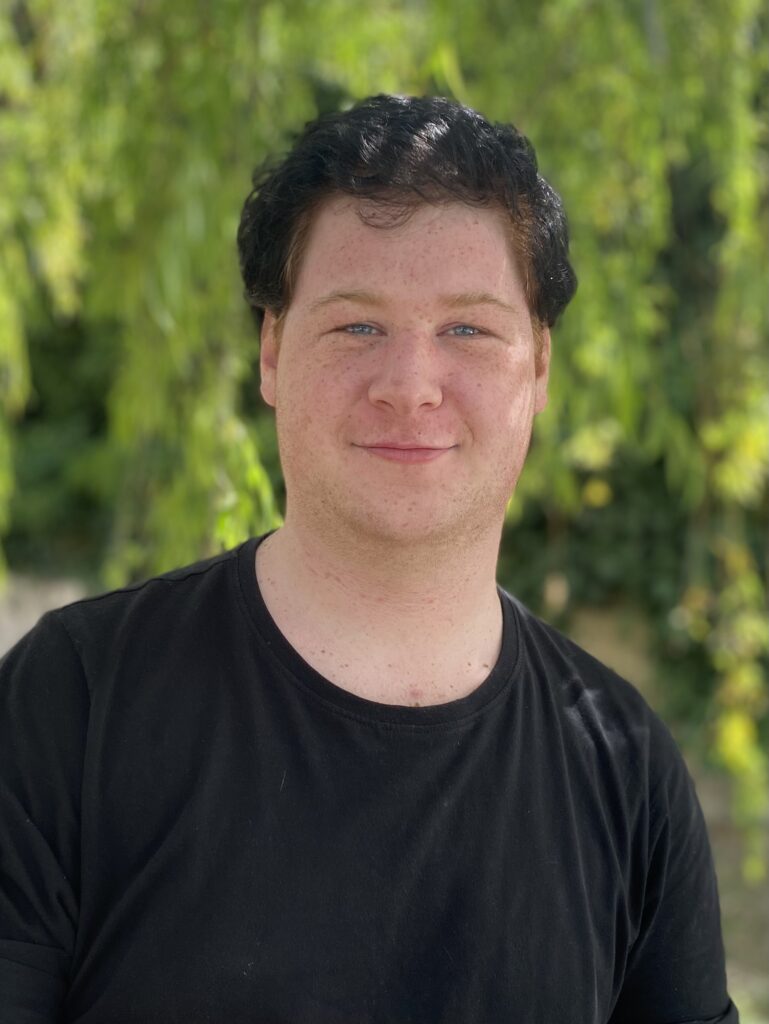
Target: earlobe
<point x="268" y="358"/>
<point x="542" y="370"/>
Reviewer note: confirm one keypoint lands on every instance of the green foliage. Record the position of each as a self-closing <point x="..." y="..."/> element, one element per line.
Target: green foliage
<point x="128" y="365"/>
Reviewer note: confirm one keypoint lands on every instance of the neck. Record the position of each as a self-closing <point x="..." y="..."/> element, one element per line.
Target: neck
<point x="356" y="577"/>
<point x="431" y="613"/>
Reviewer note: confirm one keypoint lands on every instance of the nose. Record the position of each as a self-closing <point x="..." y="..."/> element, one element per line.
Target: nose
<point x="408" y="373"/>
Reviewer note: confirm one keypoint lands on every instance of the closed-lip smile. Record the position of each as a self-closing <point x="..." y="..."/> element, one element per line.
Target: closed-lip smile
<point x="406" y="446"/>
<point x="398" y="452"/>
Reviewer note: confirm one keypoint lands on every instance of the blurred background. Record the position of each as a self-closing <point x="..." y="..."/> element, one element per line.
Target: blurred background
<point x="132" y="435"/>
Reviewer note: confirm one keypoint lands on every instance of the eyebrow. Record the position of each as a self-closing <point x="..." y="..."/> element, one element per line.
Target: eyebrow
<point x="456" y="301"/>
<point x="354" y="296"/>
<point x="478" y="299"/>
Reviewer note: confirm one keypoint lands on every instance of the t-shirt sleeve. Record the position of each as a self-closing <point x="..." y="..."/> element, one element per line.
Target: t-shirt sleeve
<point x="44" y="707"/>
<point x="676" y="970"/>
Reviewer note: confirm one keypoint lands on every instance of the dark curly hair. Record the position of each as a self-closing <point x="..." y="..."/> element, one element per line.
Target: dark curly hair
<point x="401" y="151"/>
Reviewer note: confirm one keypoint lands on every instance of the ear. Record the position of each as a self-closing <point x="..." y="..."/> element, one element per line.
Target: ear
<point x="268" y="358"/>
<point x="541" y="369"/>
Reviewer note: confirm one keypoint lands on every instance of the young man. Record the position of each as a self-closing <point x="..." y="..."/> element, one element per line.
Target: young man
<point x="338" y="775"/>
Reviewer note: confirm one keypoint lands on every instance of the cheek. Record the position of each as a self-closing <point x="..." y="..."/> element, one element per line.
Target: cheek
<point x="311" y="397"/>
<point x="501" y="393"/>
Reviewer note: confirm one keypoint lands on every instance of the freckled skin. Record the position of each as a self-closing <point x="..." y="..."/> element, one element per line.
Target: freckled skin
<point x="383" y="575"/>
<point x="333" y="391"/>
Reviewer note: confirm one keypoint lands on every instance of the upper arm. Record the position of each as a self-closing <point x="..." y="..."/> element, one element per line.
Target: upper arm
<point x="675" y="971"/>
<point x="43" y="722"/>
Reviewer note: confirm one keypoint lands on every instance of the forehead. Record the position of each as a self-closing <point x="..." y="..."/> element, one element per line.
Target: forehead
<point x="356" y="245"/>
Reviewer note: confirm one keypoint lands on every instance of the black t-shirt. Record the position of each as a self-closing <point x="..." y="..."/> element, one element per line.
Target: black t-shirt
<point x="196" y="826"/>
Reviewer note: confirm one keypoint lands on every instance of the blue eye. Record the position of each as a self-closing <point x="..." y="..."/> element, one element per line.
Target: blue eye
<point x="464" y="331"/>
<point x="362" y="329"/>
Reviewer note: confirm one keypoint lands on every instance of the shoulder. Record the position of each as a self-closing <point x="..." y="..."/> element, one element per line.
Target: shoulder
<point x="618" y="759"/>
<point x="134" y="624"/>
<point x="181" y="591"/>
<point x="596" y="707"/>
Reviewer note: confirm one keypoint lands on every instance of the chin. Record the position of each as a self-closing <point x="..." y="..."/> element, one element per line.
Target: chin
<point x="418" y="530"/>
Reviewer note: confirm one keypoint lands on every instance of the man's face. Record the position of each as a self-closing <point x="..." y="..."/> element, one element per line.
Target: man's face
<point x="396" y="337"/>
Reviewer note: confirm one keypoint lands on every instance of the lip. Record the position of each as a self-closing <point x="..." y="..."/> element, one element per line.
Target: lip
<point x="402" y="453"/>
